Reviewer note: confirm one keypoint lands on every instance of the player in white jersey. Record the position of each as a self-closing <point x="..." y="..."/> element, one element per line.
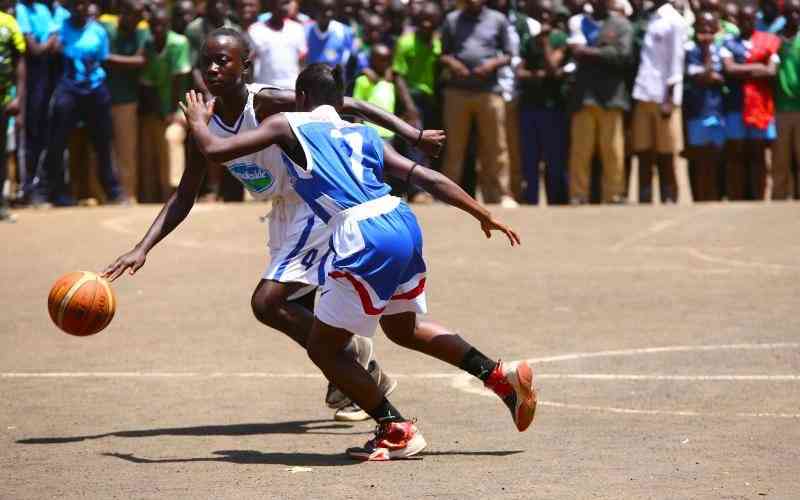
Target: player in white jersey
<point x="376" y="270"/>
<point x="297" y="239"/>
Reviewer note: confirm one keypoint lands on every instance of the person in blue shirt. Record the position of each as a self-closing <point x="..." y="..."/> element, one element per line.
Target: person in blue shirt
<point x="376" y="272"/>
<point x="38" y="22"/>
<point x="329" y="41"/>
<point x="703" y="110"/>
<point x="80" y="94"/>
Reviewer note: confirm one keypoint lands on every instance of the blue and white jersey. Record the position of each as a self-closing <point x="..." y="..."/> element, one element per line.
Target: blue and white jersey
<point x="332" y="47"/>
<point x="376" y="240"/>
<point x="344" y="162"/>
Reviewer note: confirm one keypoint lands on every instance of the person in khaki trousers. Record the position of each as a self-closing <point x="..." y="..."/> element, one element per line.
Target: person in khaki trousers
<point x="127" y="44"/>
<point x="475" y="44"/>
<point x="599" y="99"/>
<point x="164" y="78"/>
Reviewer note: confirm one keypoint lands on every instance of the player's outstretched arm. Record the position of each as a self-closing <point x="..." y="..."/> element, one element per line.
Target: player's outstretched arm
<point x="429" y="141"/>
<point x="171" y="215"/>
<point x="273" y="101"/>
<point x="444" y="189"/>
<point x="273" y="130"/>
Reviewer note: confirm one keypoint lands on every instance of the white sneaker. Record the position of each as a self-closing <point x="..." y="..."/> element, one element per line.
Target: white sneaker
<point x="350" y="413"/>
<point x="508" y="202"/>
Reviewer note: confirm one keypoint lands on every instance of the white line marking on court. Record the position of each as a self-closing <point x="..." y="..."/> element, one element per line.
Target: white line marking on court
<point x="697" y="254"/>
<point x="654" y="229"/>
<point x="678" y="413"/>
<point x="665" y="349"/>
<point x="701" y="255"/>
<point x="467" y="384"/>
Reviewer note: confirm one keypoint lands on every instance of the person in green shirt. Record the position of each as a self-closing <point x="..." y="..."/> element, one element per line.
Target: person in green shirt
<point x="787" y="107"/>
<point x="163" y="80"/>
<point x="416" y="60"/>
<point x="12" y="72"/>
<point x="544" y="123"/>
<point x="378" y="87"/>
<point x="125" y="62"/>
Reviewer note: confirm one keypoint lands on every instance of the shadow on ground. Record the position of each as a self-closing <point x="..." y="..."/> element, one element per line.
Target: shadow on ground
<point x="289" y="459"/>
<point x="292" y="427"/>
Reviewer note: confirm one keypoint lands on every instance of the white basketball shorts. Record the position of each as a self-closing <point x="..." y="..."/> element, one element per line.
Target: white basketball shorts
<point x="298" y="242"/>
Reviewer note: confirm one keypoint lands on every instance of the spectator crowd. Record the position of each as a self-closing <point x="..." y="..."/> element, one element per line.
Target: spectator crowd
<point x="568" y="91"/>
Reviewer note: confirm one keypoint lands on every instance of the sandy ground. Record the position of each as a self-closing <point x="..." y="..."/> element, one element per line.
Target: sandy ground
<point x="666" y="342"/>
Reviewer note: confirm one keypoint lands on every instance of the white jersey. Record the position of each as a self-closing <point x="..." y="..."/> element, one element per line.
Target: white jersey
<point x="298" y="240"/>
<point x="262" y="172"/>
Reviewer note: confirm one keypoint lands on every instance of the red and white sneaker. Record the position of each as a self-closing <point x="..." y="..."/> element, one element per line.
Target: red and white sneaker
<point x="514" y="385"/>
<point x="392" y="440"/>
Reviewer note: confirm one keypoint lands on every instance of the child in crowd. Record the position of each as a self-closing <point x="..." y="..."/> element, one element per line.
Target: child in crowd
<point x="183" y="13"/>
<point x="247" y="12"/>
<point x="374" y="32"/>
<point x="378" y="87"/>
<point x="416" y="57"/>
<point x="705" y="122"/>
<point x="279" y="47"/>
<point x="544" y="123"/>
<point x="329" y="41"/>
<point x="750" y="61"/>
<point x="164" y="78"/>
<point x="125" y="63"/>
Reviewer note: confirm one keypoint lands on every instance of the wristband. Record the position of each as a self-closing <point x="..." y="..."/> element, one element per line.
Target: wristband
<point x="419" y="138"/>
<point x="408" y="177"/>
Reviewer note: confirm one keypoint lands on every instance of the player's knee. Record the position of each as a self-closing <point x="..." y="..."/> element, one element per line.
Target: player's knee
<point x="267" y="307"/>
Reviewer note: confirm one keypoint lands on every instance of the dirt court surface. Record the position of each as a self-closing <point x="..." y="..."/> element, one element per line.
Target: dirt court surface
<point x="666" y="342"/>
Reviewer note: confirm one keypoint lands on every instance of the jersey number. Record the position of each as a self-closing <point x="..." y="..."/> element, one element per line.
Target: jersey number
<point x="309" y="258"/>
<point x="355" y="142"/>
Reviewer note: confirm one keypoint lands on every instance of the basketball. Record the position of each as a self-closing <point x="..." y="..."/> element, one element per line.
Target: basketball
<point x="81" y="303"/>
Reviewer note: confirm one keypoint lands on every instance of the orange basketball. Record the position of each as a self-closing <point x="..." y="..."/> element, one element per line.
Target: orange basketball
<point x="81" y="303"/>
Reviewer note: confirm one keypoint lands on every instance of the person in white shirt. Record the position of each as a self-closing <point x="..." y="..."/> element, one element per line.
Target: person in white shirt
<point x="657" y="134"/>
<point x="279" y="46"/>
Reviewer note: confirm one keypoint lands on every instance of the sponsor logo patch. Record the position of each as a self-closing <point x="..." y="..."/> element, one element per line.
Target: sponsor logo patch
<point x="255" y="178"/>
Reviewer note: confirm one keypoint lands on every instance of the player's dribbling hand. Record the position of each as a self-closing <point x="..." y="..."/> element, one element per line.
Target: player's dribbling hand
<point x="196" y="109"/>
<point x="491" y="224"/>
<point x="132" y="260"/>
<point x="432" y="142"/>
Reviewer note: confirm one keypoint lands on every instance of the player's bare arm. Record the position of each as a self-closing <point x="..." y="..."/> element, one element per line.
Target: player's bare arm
<point x="275" y="130"/>
<point x="442" y="188"/>
<point x="174" y="211"/>
<point x="273" y="101"/>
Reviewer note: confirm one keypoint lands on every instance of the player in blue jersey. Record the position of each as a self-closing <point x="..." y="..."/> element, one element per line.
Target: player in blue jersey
<point x="375" y="268"/>
<point x="283" y="298"/>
